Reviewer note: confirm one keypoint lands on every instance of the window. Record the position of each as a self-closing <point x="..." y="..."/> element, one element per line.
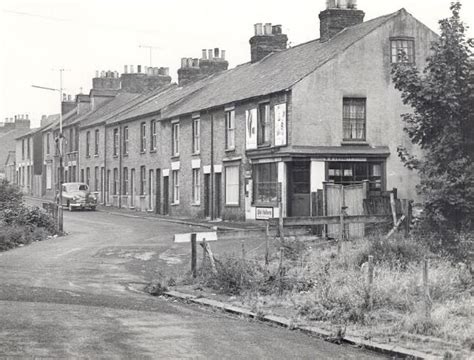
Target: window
<point x="196" y="135"/>
<point x="88" y="176"/>
<point x="56" y="140"/>
<point x="232" y="185"/>
<point x="71" y="139"/>
<point x="125" y="140"/>
<point x="115" y="184"/>
<point x="263" y="131"/>
<point x="142" y="137"/>
<point x="125" y="181"/>
<point x="96" y="142"/>
<point x="22" y="149"/>
<point x="175" y="139"/>
<point x="49" y="176"/>
<point x="153" y="135"/>
<point x="349" y="173"/>
<point x="116" y="141"/>
<point x="28" y="152"/>
<point x="47" y="144"/>
<point x="196" y="186"/>
<point x="88" y="144"/>
<point x="142" y="180"/>
<point x="96" y="178"/>
<point x="82" y="175"/>
<point x="175" y="180"/>
<point x="354" y="118"/>
<point x="403" y="51"/>
<point x="265" y="183"/>
<point x="230" y="130"/>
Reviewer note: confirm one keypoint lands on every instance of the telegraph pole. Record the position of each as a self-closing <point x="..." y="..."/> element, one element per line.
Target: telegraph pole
<point x="150" y="48"/>
<point x="60" y="142"/>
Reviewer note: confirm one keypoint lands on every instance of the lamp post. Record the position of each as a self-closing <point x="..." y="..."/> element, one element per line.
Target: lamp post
<point x="60" y="145"/>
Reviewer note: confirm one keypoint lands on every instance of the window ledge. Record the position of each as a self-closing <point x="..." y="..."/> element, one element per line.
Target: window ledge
<point x="175" y="157"/>
<point x="230" y="150"/>
<point x="232" y="205"/>
<point x="142" y="152"/>
<point x="115" y="156"/>
<point x="263" y="146"/>
<point x="196" y="204"/>
<point x="175" y="204"/>
<point x="153" y="151"/>
<point x="267" y="204"/>
<point x="355" y="142"/>
<point x="196" y="153"/>
<point x="96" y="155"/>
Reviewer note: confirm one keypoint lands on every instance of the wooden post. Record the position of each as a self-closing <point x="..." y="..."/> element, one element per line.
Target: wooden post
<point x="370" y="280"/>
<point x="280" y="272"/>
<point x="60" y="219"/>
<point x="280" y="211"/>
<point x="341" y="221"/>
<point x="426" y="288"/>
<point x="204" y="253"/>
<point x="394" y="208"/>
<point x="243" y="250"/>
<point x="193" y="255"/>
<point x="207" y="248"/>
<point x="267" y="237"/>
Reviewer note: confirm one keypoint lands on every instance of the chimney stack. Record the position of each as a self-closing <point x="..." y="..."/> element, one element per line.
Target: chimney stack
<point x="193" y="69"/>
<point x="339" y="14"/>
<point x="267" y="39"/>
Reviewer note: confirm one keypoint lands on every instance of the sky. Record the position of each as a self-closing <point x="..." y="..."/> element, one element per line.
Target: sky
<point x="38" y="37"/>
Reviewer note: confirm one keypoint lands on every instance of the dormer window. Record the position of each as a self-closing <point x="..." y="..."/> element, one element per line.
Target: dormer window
<point x="402" y="50"/>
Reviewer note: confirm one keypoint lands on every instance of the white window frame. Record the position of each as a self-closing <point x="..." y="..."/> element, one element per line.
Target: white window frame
<point x="125" y="140"/>
<point x="116" y="141"/>
<point x="143" y="137"/>
<point x="196" y="186"/>
<point x="232" y="185"/>
<point x="230" y="130"/>
<point x="49" y="176"/>
<point x="175" y="138"/>
<point x="175" y="182"/>
<point x="96" y="141"/>
<point x="196" y="135"/>
<point x="153" y="135"/>
<point x="264" y="137"/>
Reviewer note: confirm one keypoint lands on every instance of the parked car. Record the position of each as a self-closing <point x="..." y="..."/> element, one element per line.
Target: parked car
<point x="77" y="196"/>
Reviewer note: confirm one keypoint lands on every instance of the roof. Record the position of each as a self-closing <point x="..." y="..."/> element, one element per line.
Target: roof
<point x="277" y="72"/>
<point x="51" y="120"/>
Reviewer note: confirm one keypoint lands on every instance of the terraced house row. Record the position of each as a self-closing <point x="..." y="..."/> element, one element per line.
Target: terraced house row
<point x="225" y="143"/>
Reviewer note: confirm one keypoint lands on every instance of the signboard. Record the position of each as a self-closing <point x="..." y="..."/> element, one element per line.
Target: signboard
<point x="251" y="129"/>
<point x="280" y="125"/>
<point x="263" y="213"/>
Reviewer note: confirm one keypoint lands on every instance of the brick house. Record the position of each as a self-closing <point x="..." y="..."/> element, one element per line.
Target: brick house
<point x="221" y="142"/>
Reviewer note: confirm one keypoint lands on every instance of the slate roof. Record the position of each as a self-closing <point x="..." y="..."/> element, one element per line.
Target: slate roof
<point x="277" y="72"/>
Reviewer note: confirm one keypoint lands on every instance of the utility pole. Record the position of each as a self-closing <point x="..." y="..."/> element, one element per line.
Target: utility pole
<point x="150" y="48"/>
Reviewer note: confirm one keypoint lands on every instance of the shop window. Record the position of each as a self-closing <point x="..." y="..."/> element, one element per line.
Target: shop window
<point x="350" y="173"/>
<point x="265" y="183"/>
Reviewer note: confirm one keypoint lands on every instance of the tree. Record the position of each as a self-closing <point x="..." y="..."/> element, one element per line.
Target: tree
<point x="442" y="125"/>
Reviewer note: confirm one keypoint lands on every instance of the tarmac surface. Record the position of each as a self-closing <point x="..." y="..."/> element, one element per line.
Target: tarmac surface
<point x="79" y="296"/>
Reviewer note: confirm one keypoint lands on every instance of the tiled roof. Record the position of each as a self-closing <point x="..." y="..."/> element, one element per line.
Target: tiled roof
<point x="276" y="72"/>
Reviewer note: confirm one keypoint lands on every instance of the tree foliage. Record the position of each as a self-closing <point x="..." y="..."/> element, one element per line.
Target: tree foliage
<point x="10" y="195"/>
<point x="441" y="124"/>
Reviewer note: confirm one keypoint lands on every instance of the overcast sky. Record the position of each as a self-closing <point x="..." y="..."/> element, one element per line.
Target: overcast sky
<point x="38" y="36"/>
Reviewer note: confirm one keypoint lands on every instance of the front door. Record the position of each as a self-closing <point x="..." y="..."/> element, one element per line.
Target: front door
<point x="218" y="195"/>
<point x="166" y="189"/>
<point x="132" y="188"/>
<point x="207" y="200"/>
<point x="299" y="190"/>
<point x="151" y="190"/>
<point x="158" y="192"/>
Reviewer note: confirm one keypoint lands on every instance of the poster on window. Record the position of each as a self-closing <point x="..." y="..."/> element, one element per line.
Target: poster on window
<point x="251" y="129"/>
<point x="280" y="125"/>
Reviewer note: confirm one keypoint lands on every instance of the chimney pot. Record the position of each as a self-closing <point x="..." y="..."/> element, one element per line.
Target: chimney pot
<point x="258" y="29"/>
<point x="139" y="69"/>
<point x="184" y="62"/>
<point x="216" y="53"/>
<point x="276" y="29"/>
<point x="132" y="69"/>
<point x="26" y="116"/>
<point x="204" y="54"/>
<point x="209" y="52"/>
<point x="64" y="97"/>
<point x="196" y="63"/>
<point x="125" y="69"/>
<point x="190" y="62"/>
<point x="97" y="73"/>
<point x="166" y="71"/>
<point x="268" y="29"/>
<point x="16" y="117"/>
<point x="102" y="74"/>
<point x="223" y="54"/>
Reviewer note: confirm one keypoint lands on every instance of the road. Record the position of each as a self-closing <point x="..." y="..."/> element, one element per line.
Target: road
<point x="79" y="296"/>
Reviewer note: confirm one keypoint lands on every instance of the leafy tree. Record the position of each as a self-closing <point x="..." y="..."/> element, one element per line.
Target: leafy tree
<point x="10" y="196"/>
<point x="442" y="125"/>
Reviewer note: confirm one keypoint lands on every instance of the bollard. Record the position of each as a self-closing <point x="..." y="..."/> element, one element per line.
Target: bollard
<point x="193" y="255"/>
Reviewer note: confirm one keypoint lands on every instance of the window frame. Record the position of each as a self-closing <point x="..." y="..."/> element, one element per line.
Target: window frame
<point x="115" y="185"/>
<point x="96" y="178"/>
<point x="273" y="185"/>
<point x="235" y="186"/>
<point x="96" y="142"/>
<point x="196" y="186"/>
<point x="349" y="122"/>
<point x="88" y="176"/>
<point x="125" y="140"/>
<point x="175" y="186"/>
<point x="395" y="51"/>
<point x="125" y="181"/>
<point x="153" y="135"/>
<point x="264" y="126"/>
<point x="48" y="145"/>
<point x="340" y="171"/>
<point x="230" y="130"/>
<point x="196" y="129"/>
<point x="88" y="139"/>
<point x="143" y="137"/>
<point x="142" y="180"/>
<point x="175" y="139"/>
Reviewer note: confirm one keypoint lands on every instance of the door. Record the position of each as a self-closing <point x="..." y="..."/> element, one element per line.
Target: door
<point x="102" y="189"/>
<point x="218" y="195"/>
<point x="132" y="188"/>
<point x="107" y="191"/>
<point x="299" y="191"/>
<point x="166" y="191"/>
<point x="207" y="200"/>
<point x="158" y="192"/>
<point x="151" y="190"/>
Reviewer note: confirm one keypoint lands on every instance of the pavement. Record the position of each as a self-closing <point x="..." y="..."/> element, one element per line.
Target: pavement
<point x="81" y="296"/>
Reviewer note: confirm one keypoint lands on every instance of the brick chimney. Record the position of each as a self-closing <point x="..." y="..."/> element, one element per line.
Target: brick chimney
<point x="106" y="80"/>
<point x="339" y="14"/>
<point x="67" y="104"/>
<point x="211" y="62"/>
<point x="267" y="39"/>
<point x="145" y="79"/>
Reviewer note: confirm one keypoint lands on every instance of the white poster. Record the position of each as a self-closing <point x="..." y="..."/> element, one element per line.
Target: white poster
<point x="280" y="125"/>
<point x="251" y="129"/>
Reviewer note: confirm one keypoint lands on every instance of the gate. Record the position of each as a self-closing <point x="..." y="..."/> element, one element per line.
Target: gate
<point x="350" y="197"/>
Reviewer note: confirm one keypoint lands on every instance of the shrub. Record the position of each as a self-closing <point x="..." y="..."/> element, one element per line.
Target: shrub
<point x="10" y="195"/>
<point x="24" y="216"/>
<point x="12" y="236"/>
<point x="293" y="248"/>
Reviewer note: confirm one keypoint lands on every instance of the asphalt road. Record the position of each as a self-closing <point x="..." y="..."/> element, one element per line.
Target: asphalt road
<point x="79" y="297"/>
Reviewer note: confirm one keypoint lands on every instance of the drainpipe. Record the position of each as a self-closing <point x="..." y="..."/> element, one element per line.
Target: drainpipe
<point x="212" y="170"/>
<point x="104" y="185"/>
<point x="120" y="167"/>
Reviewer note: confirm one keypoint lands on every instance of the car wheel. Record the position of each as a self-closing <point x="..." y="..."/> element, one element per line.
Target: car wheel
<point x="93" y="208"/>
<point x="69" y="206"/>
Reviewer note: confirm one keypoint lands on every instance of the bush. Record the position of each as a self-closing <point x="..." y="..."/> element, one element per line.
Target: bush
<point x="14" y="236"/>
<point x="24" y="216"/>
<point x="10" y="196"/>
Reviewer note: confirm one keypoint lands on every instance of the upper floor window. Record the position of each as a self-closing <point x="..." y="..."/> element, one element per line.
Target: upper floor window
<point x="125" y="140"/>
<point x="230" y="130"/>
<point x="48" y="149"/>
<point x="175" y="138"/>
<point x="196" y="135"/>
<point x="354" y="118"/>
<point x="88" y="144"/>
<point x="116" y="141"/>
<point x="153" y="135"/>
<point x="71" y="139"/>
<point x="263" y="124"/>
<point x="28" y="152"/>
<point x="22" y="149"/>
<point x="402" y="50"/>
<point x="142" y="137"/>
<point x="96" y="142"/>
